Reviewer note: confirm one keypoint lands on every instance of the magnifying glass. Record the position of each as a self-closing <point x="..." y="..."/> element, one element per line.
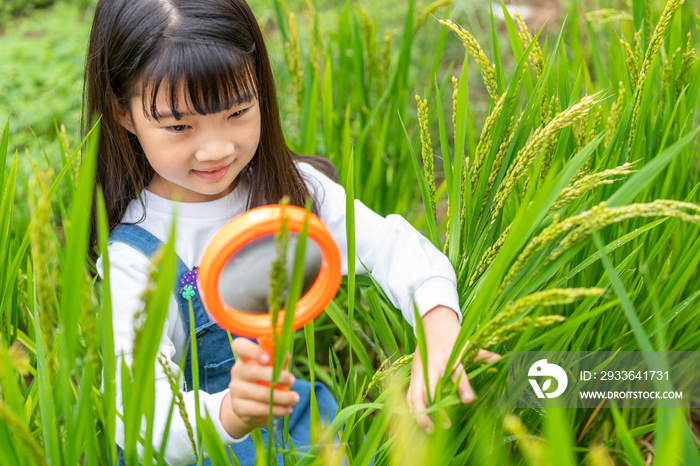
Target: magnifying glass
<point x="234" y="274"/>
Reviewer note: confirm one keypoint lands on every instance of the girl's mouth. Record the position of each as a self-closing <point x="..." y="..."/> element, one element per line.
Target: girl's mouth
<point x="215" y="175"/>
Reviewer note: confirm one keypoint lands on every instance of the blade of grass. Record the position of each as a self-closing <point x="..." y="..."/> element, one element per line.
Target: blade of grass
<point x="47" y="409"/>
<point x="107" y="334"/>
<point x="423" y="184"/>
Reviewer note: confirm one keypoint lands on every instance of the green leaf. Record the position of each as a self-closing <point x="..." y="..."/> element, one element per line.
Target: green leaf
<point x="423" y="184"/>
<point x="635" y="184"/>
<point x="628" y="443"/>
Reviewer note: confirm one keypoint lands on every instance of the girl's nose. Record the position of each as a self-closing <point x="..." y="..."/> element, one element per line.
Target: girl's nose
<point x="215" y="151"/>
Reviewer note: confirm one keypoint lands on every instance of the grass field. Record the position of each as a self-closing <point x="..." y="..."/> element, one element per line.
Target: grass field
<point x="559" y="176"/>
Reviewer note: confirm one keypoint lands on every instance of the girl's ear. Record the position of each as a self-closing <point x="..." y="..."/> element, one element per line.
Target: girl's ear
<point x="124" y="117"/>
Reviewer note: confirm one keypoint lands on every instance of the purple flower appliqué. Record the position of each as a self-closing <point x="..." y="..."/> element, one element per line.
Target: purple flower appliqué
<point x="188" y="282"/>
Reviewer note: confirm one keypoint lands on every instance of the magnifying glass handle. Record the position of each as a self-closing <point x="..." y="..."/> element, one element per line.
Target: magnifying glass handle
<point x="266" y="345"/>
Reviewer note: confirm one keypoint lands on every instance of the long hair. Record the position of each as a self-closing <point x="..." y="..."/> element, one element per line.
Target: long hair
<point x="216" y="49"/>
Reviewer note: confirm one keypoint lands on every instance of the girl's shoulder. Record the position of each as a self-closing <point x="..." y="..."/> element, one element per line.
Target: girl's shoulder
<point x="318" y="167"/>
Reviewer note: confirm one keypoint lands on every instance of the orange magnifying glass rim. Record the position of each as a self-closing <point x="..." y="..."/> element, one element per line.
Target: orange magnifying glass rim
<point x="253" y="224"/>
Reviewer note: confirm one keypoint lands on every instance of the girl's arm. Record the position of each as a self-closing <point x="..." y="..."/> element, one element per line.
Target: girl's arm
<point x="128" y="278"/>
<point x="407" y="266"/>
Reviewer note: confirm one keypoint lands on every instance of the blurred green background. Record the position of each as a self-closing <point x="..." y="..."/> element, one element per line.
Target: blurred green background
<point x="43" y="45"/>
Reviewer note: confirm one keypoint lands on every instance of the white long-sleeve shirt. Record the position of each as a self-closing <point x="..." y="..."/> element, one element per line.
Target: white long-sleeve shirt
<point x="406" y="265"/>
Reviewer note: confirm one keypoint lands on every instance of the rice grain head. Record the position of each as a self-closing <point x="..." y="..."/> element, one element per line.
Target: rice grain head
<point x="485" y="141"/>
<point x="652" y="50"/>
<point x="293" y="58"/>
<point x="487" y="70"/>
<point x="607" y="15"/>
<point x="615" y="114"/>
<point x="177" y="395"/>
<point x="426" y="148"/>
<point x="534" y="145"/>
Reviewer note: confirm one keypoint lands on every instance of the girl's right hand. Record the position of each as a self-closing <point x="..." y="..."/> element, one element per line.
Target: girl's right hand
<point x="247" y="404"/>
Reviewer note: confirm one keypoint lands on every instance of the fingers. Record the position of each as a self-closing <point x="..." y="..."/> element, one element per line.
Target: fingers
<point x="256" y="392"/>
<point x="246" y="408"/>
<point x="247" y="349"/>
<point x="488" y="355"/>
<point x="255" y="373"/>
<point x="416" y="396"/>
<point x="464" y="388"/>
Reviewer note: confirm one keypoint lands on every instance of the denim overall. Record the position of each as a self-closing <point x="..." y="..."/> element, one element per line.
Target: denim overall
<point x="216" y="359"/>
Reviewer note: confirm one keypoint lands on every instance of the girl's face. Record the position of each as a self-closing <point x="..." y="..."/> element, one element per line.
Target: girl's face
<point x="198" y="156"/>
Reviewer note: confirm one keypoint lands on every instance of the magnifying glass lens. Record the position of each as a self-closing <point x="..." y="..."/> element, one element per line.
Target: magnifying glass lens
<point x="244" y="283"/>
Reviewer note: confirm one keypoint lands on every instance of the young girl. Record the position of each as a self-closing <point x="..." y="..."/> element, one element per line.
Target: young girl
<point x="188" y="110"/>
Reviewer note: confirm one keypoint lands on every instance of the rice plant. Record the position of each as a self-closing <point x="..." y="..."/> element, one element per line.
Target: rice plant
<point x="569" y="212"/>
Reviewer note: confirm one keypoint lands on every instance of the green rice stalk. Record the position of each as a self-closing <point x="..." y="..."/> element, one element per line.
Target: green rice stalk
<point x="507" y="138"/>
<point x="315" y="33"/>
<point x="638" y="53"/>
<point x="531" y="448"/>
<point x="19" y="359"/>
<point x="513" y="309"/>
<point x="368" y="32"/>
<point x="488" y="257"/>
<point x="498" y="160"/>
<point x="75" y="167"/>
<point x="548" y="156"/>
<point x="426" y="148"/>
<point x="495" y="326"/>
<point x="310" y="13"/>
<point x="585" y="139"/>
<point x="21" y="435"/>
<point x="455" y="97"/>
<point x="666" y="82"/>
<point x="514" y="329"/>
<point x="607" y="15"/>
<point x="598" y="456"/>
<point x="428" y="12"/>
<point x="381" y="373"/>
<point x="484" y="145"/>
<point x="615" y="114"/>
<point x="652" y="50"/>
<point x="446" y="245"/>
<point x="386" y="57"/>
<point x="177" y="395"/>
<point x="587" y="183"/>
<point x="547" y="159"/>
<point x="44" y="258"/>
<point x="600" y="217"/>
<point x="632" y="64"/>
<point x="647" y="19"/>
<point x="686" y="62"/>
<point x="536" y="59"/>
<point x="487" y="70"/>
<point x="577" y="135"/>
<point x="284" y="10"/>
<point x="293" y="59"/>
<point x="463" y="194"/>
<point x="278" y="271"/>
<point x="534" y="146"/>
<point x="595" y="129"/>
<point x="88" y="326"/>
<point x="140" y="315"/>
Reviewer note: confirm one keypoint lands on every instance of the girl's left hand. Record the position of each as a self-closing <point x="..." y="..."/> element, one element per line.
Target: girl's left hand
<point x="441" y="327"/>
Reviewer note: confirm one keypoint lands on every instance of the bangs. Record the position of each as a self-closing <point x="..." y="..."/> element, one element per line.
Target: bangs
<point x="215" y="78"/>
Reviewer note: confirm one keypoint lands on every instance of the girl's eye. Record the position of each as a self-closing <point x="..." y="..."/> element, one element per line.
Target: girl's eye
<point x="182" y="128"/>
<point x="239" y="113"/>
<point x="178" y="128"/>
